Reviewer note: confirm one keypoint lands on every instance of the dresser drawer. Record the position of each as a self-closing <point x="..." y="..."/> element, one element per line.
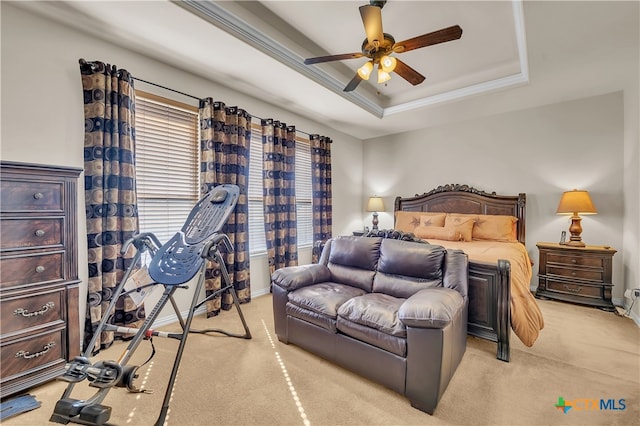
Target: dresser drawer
<point x="583" y="274"/>
<point x="33" y="353"/>
<point x="38" y="268"/>
<point x="25" y="312"/>
<point x="29" y="233"/>
<point x="567" y="259"/>
<point x="38" y="196"/>
<point x="574" y="289"/>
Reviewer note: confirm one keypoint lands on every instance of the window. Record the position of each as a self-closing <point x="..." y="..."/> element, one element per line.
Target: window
<point x="167" y="163"/>
<point x="304" y="193"/>
<point x="257" y="242"/>
<point x="167" y="172"/>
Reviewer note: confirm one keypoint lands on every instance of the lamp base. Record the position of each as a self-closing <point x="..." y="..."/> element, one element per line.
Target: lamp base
<point x="575" y="229"/>
<point x="575" y="244"/>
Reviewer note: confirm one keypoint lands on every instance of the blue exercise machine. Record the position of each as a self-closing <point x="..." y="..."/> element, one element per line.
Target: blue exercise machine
<point x="172" y="265"/>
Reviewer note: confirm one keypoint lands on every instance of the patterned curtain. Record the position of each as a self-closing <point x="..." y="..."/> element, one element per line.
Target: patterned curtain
<point x="321" y="181"/>
<point x="279" y="186"/>
<point x="110" y="192"/>
<point x="224" y="147"/>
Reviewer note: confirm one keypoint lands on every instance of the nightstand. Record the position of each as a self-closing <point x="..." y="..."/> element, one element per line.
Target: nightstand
<point x="576" y="274"/>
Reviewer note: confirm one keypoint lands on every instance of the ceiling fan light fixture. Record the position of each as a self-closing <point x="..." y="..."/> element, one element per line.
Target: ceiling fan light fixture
<point x="388" y="63"/>
<point x="383" y="76"/>
<point x="365" y="71"/>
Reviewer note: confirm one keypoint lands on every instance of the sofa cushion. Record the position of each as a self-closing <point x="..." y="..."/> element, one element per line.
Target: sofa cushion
<point x="407" y="267"/>
<point x="373" y="318"/>
<point x="324" y="298"/>
<point x="353" y="260"/>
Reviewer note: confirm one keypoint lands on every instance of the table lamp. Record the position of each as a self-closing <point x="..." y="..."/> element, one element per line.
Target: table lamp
<point x="576" y="202"/>
<point x="375" y="205"/>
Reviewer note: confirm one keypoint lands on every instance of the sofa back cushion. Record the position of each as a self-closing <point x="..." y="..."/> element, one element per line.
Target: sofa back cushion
<point x="353" y="260"/>
<point x="407" y="267"/>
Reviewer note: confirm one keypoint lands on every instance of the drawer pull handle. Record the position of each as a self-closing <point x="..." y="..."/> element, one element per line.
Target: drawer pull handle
<point x="26" y="313"/>
<point x="572" y="289"/>
<point x="574" y="261"/>
<point x="28" y="355"/>
<point x="39" y="269"/>
<point x="38" y="195"/>
<point x="40" y="233"/>
<point x="573" y="274"/>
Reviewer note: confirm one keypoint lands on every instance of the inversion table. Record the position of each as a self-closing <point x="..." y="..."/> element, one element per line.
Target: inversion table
<point x="172" y="265"/>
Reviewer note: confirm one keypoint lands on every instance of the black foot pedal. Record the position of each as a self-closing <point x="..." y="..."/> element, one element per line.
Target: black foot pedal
<point x="65" y="409"/>
<point x="104" y="374"/>
<point x="76" y="370"/>
<point x="95" y="414"/>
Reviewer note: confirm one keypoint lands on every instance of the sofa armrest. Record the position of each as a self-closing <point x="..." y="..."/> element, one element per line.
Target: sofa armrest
<point x="293" y="277"/>
<point x="431" y="308"/>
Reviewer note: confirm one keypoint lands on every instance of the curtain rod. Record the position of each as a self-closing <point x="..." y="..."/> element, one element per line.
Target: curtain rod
<point x="199" y="99"/>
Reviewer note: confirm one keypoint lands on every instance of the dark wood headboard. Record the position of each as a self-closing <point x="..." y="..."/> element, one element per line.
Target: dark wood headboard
<point x="466" y="199"/>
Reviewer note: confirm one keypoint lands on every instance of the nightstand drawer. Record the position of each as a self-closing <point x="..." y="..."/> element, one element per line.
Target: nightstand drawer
<point x="583" y="274"/>
<point x="25" y="312"/>
<point x="28" y="233"/>
<point x="596" y="262"/>
<point x="574" y="289"/>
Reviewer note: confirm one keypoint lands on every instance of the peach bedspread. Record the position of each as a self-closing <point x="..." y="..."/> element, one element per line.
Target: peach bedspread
<point x="526" y="317"/>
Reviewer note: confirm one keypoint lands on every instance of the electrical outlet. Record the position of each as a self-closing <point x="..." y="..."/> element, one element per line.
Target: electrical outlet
<point x="632" y="293"/>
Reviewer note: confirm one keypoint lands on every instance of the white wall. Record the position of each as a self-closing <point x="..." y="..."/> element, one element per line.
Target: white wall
<point x="540" y="151"/>
<point x="42" y="115"/>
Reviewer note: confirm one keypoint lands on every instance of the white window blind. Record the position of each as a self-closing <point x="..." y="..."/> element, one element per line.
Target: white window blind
<point x="257" y="243"/>
<point x="166" y="164"/>
<point x="304" y="193"/>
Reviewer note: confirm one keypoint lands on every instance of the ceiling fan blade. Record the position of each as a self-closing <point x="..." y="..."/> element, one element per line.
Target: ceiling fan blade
<point x="372" y="20"/>
<point x="440" y="36"/>
<point x="408" y="73"/>
<point x="353" y="83"/>
<point x="329" y="58"/>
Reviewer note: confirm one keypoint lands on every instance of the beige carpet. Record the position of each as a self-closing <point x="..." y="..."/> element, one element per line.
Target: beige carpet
<point x="582" y="353"/>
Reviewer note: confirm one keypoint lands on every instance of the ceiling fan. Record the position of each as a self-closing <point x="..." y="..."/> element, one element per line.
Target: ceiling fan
<point x="378" y="47"/>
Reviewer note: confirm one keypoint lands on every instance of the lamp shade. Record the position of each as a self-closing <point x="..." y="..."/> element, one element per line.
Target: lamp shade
<point x="576" y="202"/>
<point x="365" y="71"/>
<point x="388" y="63"/>
<point x="375" y="204"/>
<point x="383" y="76"/>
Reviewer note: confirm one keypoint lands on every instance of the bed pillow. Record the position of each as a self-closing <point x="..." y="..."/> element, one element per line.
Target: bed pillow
<point x="432" y="219"/>
<point x="463" y="223"/>
<point x="409" y="221"/>
<point x="495" y="228"/>
<point x="446" y="233"/>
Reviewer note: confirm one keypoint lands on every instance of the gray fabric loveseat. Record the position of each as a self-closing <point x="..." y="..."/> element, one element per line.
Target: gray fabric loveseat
<point x="390" y="310"/>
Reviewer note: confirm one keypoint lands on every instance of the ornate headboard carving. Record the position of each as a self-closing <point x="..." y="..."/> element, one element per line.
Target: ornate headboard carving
<point x="455" y="198"/>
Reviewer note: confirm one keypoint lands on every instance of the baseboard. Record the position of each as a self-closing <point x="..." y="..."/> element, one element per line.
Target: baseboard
<point x="624" y="305"/>
<point x="170" y="319"/>
<point x="620" y="302"/>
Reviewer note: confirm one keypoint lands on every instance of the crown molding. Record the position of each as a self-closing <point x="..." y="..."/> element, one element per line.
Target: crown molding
<point x="221" y="18"/>
<point x="226" y="21"/>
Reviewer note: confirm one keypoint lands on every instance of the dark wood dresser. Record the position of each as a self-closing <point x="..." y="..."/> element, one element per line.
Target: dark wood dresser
<point x="576" y="274"/>
<point x="39" y="282"/>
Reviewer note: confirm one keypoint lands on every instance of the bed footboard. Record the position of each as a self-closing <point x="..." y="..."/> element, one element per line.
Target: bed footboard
<point x="489" y="304"/>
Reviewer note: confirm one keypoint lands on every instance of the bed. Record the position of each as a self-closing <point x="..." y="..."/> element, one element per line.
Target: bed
<point x="499" y="271"/>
